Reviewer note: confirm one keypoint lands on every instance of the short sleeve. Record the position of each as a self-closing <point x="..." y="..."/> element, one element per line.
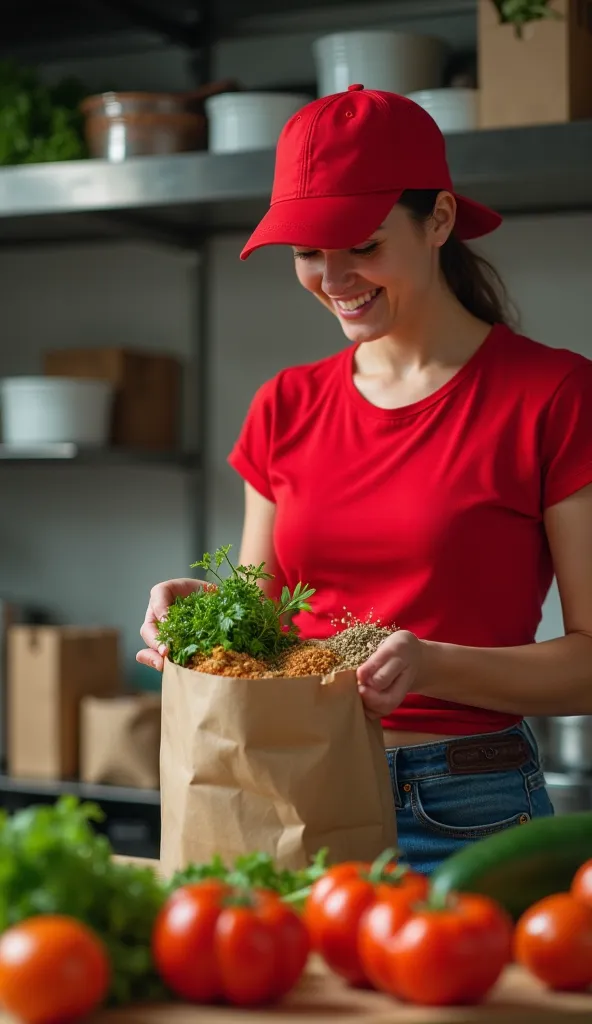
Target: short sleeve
<point x="250" y="456"/>
<point x="567" y="437"/>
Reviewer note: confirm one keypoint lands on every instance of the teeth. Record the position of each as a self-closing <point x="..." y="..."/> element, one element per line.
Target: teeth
<point x="361" y="300"/>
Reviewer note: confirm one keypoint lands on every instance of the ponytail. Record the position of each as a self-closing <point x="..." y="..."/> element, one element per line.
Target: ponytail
<point x="470" y="277"/>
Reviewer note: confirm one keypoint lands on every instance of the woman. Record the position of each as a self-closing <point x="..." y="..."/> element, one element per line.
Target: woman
<point x="436" y="473"/>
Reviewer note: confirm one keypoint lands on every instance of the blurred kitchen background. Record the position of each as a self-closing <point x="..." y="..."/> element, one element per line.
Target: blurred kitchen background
<point x="133" y="338"/>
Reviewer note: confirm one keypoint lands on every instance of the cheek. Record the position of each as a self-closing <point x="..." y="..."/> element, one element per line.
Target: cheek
<point x="407" y="272"/>
<point x="309" y="276"/>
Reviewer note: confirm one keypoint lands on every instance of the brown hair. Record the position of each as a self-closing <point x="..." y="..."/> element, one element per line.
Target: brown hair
<point x="470" y="277"/>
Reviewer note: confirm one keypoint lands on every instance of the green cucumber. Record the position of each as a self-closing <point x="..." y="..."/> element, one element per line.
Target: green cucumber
<point x="521" y="865"/>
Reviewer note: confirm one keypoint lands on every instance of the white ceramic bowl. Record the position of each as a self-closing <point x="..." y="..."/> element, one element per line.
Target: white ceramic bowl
<point x="453" y="110"/>
<point x="399" y="62"/>
<point x="240" y="121"/>
<point x="49" y="410"/>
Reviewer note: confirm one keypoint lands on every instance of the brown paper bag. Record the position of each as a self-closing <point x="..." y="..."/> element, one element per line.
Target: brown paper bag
<point x="281" y="766"/>
<point x="120" y="740"/>
<point x="543" y="78"/>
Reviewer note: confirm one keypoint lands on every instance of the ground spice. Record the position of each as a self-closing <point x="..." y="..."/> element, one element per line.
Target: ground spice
<point x="229" y="663"/>
<point x="357" y="642"/>
<point x="304" y="659"/>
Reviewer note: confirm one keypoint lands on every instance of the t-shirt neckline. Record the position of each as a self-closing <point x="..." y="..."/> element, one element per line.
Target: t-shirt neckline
<point x="468" y="369"/>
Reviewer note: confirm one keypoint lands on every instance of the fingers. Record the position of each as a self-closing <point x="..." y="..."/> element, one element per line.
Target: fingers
<point x="150" y="658"/>
<point x="162" y="597"/>
<point x="378" y="662"/>
<point x="380" y="703"/>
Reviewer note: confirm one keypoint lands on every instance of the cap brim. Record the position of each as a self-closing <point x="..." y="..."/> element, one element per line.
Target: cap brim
<point x="329" y="222"/>
<point x="341" y="222"/>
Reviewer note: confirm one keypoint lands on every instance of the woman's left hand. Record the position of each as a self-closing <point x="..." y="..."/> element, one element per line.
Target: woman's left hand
<point x="390" y="673"/>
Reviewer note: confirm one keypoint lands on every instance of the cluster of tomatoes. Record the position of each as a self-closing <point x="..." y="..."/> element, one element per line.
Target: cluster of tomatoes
<point x="375" y="926"/>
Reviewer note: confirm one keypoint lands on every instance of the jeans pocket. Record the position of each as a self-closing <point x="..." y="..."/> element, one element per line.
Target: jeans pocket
<point x="471" y="806"/>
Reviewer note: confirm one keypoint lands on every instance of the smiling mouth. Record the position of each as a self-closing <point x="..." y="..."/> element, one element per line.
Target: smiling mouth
<point x="358" y="303"/>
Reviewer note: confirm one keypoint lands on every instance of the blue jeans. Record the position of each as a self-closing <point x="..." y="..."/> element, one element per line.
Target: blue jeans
<point x="450" y="794"/>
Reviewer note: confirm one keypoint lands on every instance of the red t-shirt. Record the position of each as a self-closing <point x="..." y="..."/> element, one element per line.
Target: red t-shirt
<point x="431" y="515"/>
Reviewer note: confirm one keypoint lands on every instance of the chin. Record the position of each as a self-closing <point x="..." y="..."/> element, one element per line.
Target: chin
<point x="360" y="334"/>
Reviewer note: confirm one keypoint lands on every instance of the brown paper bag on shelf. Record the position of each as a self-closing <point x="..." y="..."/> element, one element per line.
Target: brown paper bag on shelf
<point x="50" y="670"/>
<point x="281" y="766"/>
<point x="120" y="740"/>
<point x="543" y="78"/>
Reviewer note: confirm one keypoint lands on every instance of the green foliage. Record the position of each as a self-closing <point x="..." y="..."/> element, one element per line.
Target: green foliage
<point x="258" y="871"/>
<point x="520" y="12"/>
<point x="52" y="861"/>
<point x="234" y="613"/>
<point x="37" y="123"/>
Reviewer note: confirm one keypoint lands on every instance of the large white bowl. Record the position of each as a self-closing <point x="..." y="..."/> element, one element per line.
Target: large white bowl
<point x="399" y="62"/>
<point x="49" y="410"/>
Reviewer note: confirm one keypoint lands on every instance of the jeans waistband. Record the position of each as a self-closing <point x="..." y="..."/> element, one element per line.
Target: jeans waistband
<point x="510" y="748"/>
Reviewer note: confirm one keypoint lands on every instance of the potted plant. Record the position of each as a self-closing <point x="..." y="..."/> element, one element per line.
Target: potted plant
<point x="535" y="61"/>
<point x="520" y="12"/>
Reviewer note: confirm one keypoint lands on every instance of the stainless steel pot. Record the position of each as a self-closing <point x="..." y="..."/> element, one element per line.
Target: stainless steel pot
<point x="570" y="743"/>
<point x="569" y="793"/>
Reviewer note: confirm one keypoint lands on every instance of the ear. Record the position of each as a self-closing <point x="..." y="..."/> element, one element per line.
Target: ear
<point x="441" y="223"/>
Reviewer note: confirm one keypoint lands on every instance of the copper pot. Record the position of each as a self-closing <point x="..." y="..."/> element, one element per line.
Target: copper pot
<point x="119" y="125"/>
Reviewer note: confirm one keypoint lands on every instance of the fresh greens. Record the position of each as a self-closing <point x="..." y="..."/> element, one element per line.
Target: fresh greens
<point x="39" y="123"/>
<point x="234" y="614"/>
<point x="257" y="870"/>
<point x="520" y="12"/>
<point x="52" y="861"/>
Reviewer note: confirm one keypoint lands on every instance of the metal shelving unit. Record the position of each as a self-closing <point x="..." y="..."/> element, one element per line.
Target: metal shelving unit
<point x="72" y="454"/>
<point x="179" y="200"/>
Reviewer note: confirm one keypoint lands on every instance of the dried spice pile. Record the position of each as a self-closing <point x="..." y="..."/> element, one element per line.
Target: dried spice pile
<point x="229" y="663"/>
<point x="357" y="642"/>
<point x="305" y="659"/>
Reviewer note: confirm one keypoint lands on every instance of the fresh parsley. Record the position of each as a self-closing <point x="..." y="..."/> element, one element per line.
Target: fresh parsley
<point x="233" y="613"/>
<point x="53" y="861"/>
<point x="257" y="871"/>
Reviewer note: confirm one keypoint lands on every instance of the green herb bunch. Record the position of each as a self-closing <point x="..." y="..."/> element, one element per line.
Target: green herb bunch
<point x="39" y="123"/>
<point x="233" y="613"/>
<point x="520" y="12"/>
<point x="257" y="871"/>
<point x="53" y="861"/>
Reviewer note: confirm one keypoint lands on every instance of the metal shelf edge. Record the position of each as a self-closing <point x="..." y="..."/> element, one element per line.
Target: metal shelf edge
<point x="83" y="790"/>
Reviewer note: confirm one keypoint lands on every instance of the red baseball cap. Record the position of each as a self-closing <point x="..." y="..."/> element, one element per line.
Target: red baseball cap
<point x="342" y="163"/>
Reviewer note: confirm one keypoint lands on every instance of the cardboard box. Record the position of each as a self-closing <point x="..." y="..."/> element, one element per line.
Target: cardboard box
<point x="50" y="670"/>
<point x="120" y="740"/>
<point x="147" y="391"/>
<point x="543" y="78"/>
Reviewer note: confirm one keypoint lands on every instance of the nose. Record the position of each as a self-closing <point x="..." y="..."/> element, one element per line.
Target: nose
<point x="337" y="273"/>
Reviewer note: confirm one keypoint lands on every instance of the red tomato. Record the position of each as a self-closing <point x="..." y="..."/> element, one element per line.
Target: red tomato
<point x="210" y="943"/>
<point x="581" y="887"/>
<point x="339" y="900"/>
<point x="553" y="939"/>
<point x="448" y="957"/>
<point x="376" y="929"/>
<point x="52" y="969"/>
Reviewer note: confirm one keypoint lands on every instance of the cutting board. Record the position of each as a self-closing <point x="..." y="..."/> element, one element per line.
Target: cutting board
<point x="322" y="999"/>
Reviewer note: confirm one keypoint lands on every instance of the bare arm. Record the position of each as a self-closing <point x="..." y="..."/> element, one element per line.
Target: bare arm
<point x="257" y="540"/>
<point x="550" y="678"/>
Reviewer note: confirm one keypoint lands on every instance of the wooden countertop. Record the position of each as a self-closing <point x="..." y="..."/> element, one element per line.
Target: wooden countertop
<point x="322" y="998"/>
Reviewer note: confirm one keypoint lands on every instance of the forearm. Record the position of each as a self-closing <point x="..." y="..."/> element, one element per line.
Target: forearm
<point x="549" y="678"/>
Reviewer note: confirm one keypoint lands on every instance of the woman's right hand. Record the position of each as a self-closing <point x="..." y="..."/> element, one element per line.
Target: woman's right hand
<point x="162" y="596"/>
